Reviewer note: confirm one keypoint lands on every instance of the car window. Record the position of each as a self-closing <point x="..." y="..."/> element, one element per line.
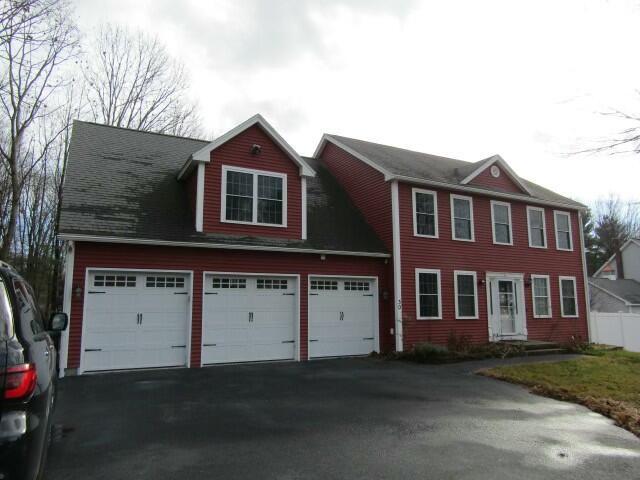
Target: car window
<point x="6" y="315"/>
<point x="29" y="310"/>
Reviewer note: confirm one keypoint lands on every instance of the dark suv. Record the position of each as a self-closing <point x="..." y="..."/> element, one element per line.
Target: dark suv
<point x="28" y="373"/>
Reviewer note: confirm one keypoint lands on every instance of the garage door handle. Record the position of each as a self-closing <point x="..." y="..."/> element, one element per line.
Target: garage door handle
<point x="368" y="338"/>
<point x="341" y="315"/>
<point x="288" y="293"/>
<point x="368" y="295"/>
<point x="288" y="341"/>
<point x="210" y="293"/>
<point x="209" y="344"/>
<point x="315" y="340"/>
<point x="313" y="294"/>
<point x="180" y="293"/>
<point x="92" y="349"/>
<point x="178" y="346"/>
<point x="93" y="291"/>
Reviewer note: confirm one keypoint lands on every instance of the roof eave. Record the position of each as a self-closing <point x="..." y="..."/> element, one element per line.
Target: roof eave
<point x="482" y="191"/>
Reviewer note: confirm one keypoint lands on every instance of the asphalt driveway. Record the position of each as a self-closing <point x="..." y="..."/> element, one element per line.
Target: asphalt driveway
<point x="337" y="419"/>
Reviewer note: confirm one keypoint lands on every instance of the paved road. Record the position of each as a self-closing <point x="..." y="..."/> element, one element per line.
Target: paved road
<point x="336" y="419"/>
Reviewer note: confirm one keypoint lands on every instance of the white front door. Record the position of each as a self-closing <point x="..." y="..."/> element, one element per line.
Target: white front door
<point x="248" y="318"/>
<point x="135" y="320"/>
<point x="342" y="317"/>
<point x="507" y="316"/>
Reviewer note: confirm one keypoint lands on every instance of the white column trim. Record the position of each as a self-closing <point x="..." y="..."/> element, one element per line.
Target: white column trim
<point x="585" y="277"/>
<point x="66" y="302"/>
<point x="397" y="266"/>
<point x="304" y="207"/>
<point x="200" y="198"/>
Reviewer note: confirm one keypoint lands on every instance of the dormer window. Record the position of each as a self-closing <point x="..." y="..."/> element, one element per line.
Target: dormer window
<point x="254" y="197"/>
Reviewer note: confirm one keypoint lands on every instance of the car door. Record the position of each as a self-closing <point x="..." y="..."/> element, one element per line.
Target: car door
<point x="6" y="332"/>
<point x="41" y="348"/>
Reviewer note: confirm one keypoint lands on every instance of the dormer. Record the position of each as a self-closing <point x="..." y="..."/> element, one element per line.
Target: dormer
<point x="496" y="174"/>
<point x="248" y="182"/>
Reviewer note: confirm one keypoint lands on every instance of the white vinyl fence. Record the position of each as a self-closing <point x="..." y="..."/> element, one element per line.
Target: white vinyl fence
<point x="621" y="329"/>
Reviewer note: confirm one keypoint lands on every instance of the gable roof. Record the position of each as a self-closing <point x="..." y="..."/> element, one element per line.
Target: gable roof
<point x="417" y="167"/>
<point x="204" y="154"/>
<point x="496" y="159"/>
<point x="121" y="186"/>
<point x="635" y="241"/>
<point x="626" y="290"/>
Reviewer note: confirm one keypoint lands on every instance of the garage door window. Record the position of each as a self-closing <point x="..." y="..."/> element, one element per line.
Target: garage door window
<point x="324" y="285"/>
<point x="272" y="284"/>
<point x="229" y="283"/>
<point x="357" y="286"/>
<point x="114" y="281"/>
<point x="165" y="282"/>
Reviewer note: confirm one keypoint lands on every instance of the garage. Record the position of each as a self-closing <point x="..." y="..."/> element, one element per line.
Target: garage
<point x="343" y="317"/>
<point x="135" y="319"/>
<point x="248" y="318"/>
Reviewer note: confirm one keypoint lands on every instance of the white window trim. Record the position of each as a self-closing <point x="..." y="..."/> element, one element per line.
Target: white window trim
<point x="457" y="273"/>
<point x="575" y="293"/>
<point x="555" y="225"/>
<point x="255" y="173"/>
<point x="453" y="220"/>
<point x="544" y="226"/>
<point x="533" y="296"/>
<point x="414" y="191"/>
<point x="493" y="223"/>
<point x="437" y="272"/>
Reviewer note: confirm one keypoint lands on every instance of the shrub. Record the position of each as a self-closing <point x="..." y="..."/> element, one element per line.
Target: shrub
<point x="459" y="343"/>
<point x="427" y="353"/>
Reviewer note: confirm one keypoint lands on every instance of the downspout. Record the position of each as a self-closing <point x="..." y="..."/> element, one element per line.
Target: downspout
<point x="66" y="303"/>
<point x="397" y="266"/>
<point x="585" y="278"/>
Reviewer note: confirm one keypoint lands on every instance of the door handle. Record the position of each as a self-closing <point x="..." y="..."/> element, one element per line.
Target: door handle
<point x="46" y="352"/>
<point x="251" y="316"/>
<point x="140" y="319"/>
<point x="341" y="316"/>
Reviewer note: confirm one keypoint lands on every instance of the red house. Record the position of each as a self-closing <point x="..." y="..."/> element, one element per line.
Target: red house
<point x="182" y="252"/>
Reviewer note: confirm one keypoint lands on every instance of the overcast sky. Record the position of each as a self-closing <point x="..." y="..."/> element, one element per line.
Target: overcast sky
<point x="463" y="79"/>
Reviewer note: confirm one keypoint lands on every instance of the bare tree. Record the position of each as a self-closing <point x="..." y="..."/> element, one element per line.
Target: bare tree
<point x="38" y="42"/>
<point x="614" y="223"/>
<point x="133" y="82"/>
<point x="626" y="140"/>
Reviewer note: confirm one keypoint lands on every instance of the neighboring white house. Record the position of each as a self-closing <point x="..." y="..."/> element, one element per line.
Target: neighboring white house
<point x="615" y="287"/>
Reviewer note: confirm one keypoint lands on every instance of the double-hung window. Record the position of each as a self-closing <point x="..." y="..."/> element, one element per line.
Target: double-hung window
<point x="501" y="222"/>
<point x="537" y="227"/>
<point x="568" y="298"/>
<point x="562" y="221"/>
<point x="462" y="218"/>
<point x="428" y="294"/>
<point x="466" y="295"/>
<point x="254" y="197"/>
<point x="425" y="213"/>
<point x="541" y="293"/>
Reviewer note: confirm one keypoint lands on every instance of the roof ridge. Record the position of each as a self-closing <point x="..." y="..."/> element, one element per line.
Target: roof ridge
<point x="405" y="149"/>
<point x="140" y="131"/>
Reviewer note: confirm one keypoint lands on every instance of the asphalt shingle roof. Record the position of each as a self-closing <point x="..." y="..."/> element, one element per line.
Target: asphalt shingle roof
<point x="626" y="289"/>
<point x="122" y="183"/>
<point x="408" y="163"/>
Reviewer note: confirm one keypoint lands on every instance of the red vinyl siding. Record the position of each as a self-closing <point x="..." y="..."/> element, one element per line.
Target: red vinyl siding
<point x="366" y="187"/>
<point x="503" y="183"/>
<point x="483" y="256"/>
<point x="237" y="152"/>
<point x="199" y="260"/>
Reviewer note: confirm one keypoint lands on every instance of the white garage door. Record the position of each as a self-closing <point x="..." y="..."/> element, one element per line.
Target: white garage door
<point x="342" y="317"/>
<point x="135" y="320"/>
<point x="248" y="319"/>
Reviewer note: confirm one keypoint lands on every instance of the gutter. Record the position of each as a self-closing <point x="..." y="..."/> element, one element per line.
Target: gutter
<point x="221" y="246"/>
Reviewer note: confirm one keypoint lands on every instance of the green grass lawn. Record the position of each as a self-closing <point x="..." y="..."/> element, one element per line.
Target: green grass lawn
<point x="605" y="381"/>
